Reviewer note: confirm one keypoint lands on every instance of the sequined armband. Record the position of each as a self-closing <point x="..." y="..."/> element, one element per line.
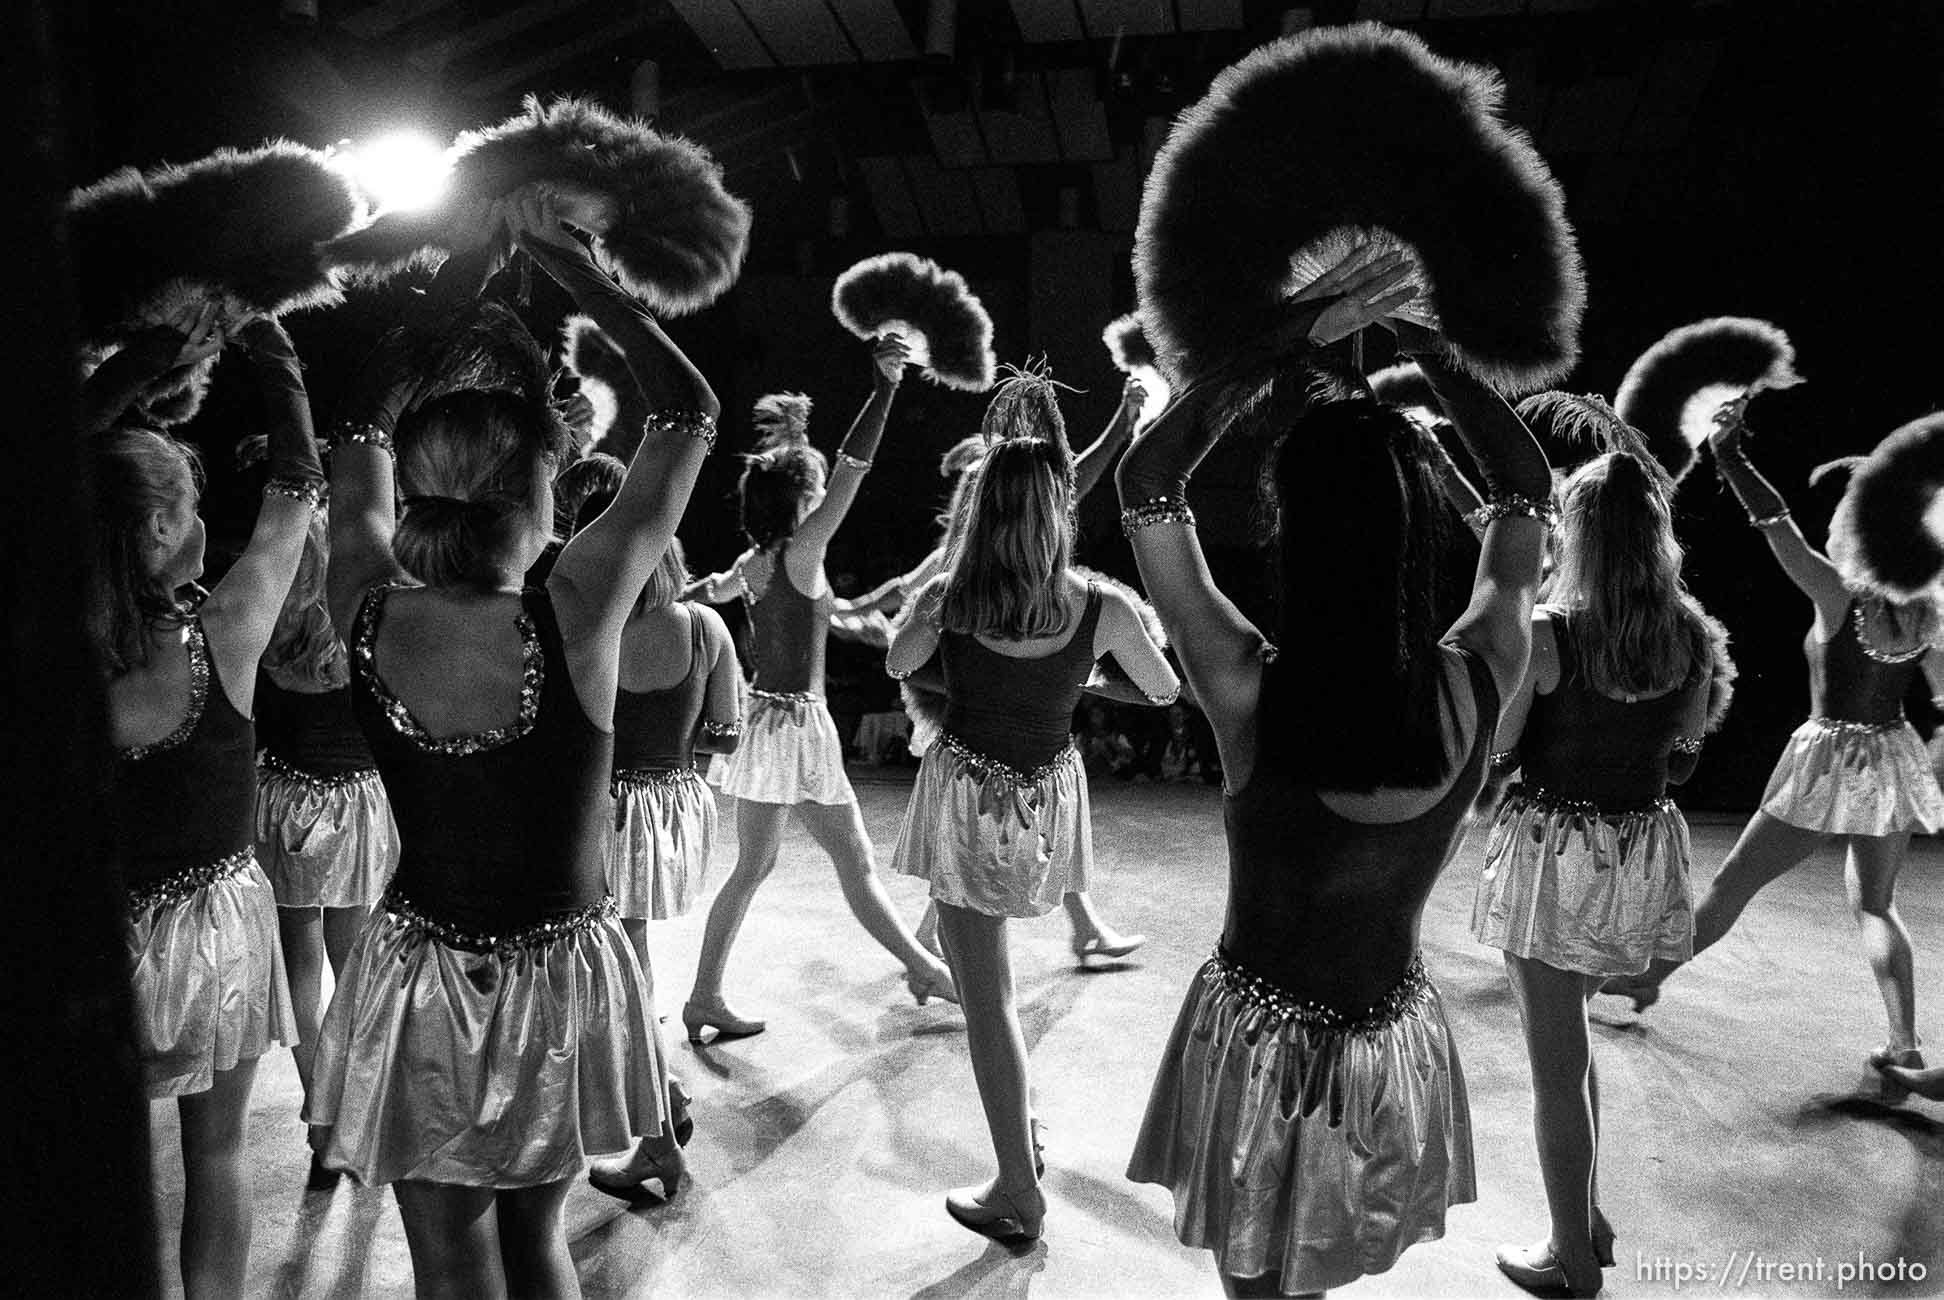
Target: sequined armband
<point x="1156" y="510"/>
<point x="1763" y="521"/>
<point x="857" y="463"/>
<point x="722" y="730"/>
<point x="1505" y="760"/>
<point x="1506" y="507"/>
<point x="1689" y="745"/>
<point x="692" y="424"/>
<point x="310" y="491"/>
<point x="1163" y="701"/>
<point x="366" y="433"/>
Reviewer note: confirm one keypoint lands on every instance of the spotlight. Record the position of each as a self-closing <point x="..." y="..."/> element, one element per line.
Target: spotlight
<point x="399" y="171"/>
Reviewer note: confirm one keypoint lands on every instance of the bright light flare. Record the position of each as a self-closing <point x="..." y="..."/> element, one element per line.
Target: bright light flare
<point x="400" y="171"/>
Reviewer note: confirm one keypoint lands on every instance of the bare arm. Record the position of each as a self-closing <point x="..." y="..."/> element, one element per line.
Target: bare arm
<point x="1091" y="464"/>
<point x="1122" y="636"/>
<point x="1807" y="568"/>
<point x="722" y="699"/>
<point x="915" y="640"/>
<point x="813" y="535"/>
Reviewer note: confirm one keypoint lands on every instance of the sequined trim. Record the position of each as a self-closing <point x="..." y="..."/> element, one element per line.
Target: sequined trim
<point x="1505" y="760"/>
<point x="722" y="730"/>
<point x="175" y="888"/>
<point x="642" y="778"/>
<point x="1845" y="727"/>
<point x="1687" y="744"/>
<point x="533" y="675"/>
<point x="277" y="767"/>
<point x="1858" y="622"/>
<point x="1156" y="510"/>
<point x="855" y="462"/>
<point x="198" y="697"/>
<point x="1514" y="507"/>
<point x="310" y="491"/>
<point x="1551" y="804"/>
<point x="537" y="935"/>
<point x="1763" y="521"/>
<point x="786" y="697"/>
<point x="986" y="766"/>
<point x="366" y="433"/>
<point x="1238" y="981"/>
<point x="692" y="424"/>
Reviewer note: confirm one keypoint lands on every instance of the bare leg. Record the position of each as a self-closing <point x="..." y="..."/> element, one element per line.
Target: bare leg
<point x="1552" y="1003"/>
<point x="1092" y="936"/>
<point x="839" y="832"/>
<point x="302" y="932"/>
<point x="454" y="1237"/>
<point x="341" y="928"/>
<point x="215" y="1246"/>
<point x="1870" y="879"/>
<point x="759" y="833"/>
<point x="533" y="1242"/>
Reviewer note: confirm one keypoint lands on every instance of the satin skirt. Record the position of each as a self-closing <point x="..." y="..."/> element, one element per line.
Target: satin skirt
<point x="658" y="856"/>
<point x="789" y="753"/>
<point x="993" y="840"/>
<point x="209" y="982"/>
<point x="1848" y="778"/>
<point x="1603" y="894"/>
<point x="1318" y="1151"/>
<point x="499" y="1069"/>
<point x="325" y="843"/>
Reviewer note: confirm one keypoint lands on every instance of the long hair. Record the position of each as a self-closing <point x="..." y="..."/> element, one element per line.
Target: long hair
<point x="305" y="645"/>
<point x="1617" y="572"/>
<point x="1018" y="528"/>
<point x="1359" y="530"/>
<point x="138" y="474"/>
<point x="474" y="471"/>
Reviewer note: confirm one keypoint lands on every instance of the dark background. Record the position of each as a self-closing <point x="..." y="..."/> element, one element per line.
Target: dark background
<point x="1769" y="159"/>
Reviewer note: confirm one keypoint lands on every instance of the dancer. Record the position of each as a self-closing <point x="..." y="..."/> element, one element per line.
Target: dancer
<point x="1309" y="1114"/>
<point x="1855" y="772"/>
<point x="1586" y="870"/>
<point x="324" y="829"/>
<point x="494" y="1024"/>
<point x="208" y="972"/>
<point x="789" y="758"/>
<point x="998" y="821"/>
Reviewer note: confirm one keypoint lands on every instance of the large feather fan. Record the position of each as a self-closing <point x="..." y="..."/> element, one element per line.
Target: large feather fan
<point x="661" y="220"/>
<point x="1128" y="345"/>
<point x="965" y="454"/>
<point x="478" y="346"/>
<point x="1671" y="393"/>
<point x="620" y="409"/>
<point x="244" y="226"/>
<point x="1317" y="138"/>
<point x="931" y="308"/>
<point x="1887" y="535"/>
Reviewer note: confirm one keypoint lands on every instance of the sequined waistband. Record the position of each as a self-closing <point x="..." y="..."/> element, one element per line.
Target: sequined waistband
<point x="786" y="697"/>
<point x="270" y="763"/>
<point x="1845" y="727"/>
<point x="180" y="885"/>
<point x="1238" y="981"/>
<point x="537" y="935"/>
<point x="1546" y="801"/>
<point x="644" y="777"/>
<point x="985" y="766"/>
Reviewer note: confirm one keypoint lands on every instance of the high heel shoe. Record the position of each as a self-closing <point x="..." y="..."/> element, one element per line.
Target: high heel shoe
<point x="1603" y="1238"/>
<point x="624" y="1183"/>
<point x="927" y="933"/>
<point x="925" y="985"/>
<point x="1535" y="1269"/>
<point x="323" y="1179"/>
<point x="698" y="1016"/>
<point x="1009" y="1218"/>
<point x="1891" y="1065"/>
<point x="1106" y="943"/>
<point x="1039" y="1152"/>
<point x="1643" y="991"/>
<point x="1925" y="1083"/>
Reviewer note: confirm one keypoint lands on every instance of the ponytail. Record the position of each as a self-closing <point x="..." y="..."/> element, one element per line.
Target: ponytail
<point x="473" y="471"/>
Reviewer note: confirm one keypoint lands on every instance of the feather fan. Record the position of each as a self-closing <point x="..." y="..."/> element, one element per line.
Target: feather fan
<point x="1672" y="391"/>
<point x="620" y="409"/>
<point x="1128" y="345"/>
<point x="1887" y="535"/>
<point x="931" y="308"/>
<point x="1311" y="140"/>
<point x="661" y="220"/>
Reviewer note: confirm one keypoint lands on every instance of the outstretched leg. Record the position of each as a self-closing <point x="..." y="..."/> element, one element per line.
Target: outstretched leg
<point x="838" y="830"/>
<point x="302" y="931"/>
<point x="215" y="1246"/>
<point x="1552" y="1003"/>
<point x="759" y="835"/>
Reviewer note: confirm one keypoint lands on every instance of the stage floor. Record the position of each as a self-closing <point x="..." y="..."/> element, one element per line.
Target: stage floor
<point x="1743" y="1140"/>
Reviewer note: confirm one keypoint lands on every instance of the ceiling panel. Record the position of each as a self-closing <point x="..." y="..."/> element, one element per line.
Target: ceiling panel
<point x="897" y="210"/>
<point x="1107" y="19"/>
<point x="946" y="198"/>
<point x="876" y="29"/>
<point x="799" y="32"/>
<point x="1041" y="21"/>
<point x="435" y="55"/>
<point x="1026" y="136"/>
<point x="1209" y="15"/>
<point x="999" y="202"/>
<point x="1078" y="115"/>
<point x="520" y="76"/>
<point x="954" y="135"/>
<point x="720" y="27"/>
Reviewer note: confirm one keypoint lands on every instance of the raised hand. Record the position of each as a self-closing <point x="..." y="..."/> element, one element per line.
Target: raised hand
<point x="531" y="218"/>
<point x="889" y="356"/>
<point x="1730" y="426"/>
<point x="1133" y="397"/>
<point x="1366" y="288"/>
<point x="198" y="331"/>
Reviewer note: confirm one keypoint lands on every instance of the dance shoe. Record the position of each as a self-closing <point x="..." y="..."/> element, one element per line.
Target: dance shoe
<point x="1902" y="1071"/>
<point x="1644" y="992"/>
<point x="928" y="984"/>
<point x="321" y="1178"/>
<point x="1009" y="1218"/>
<point x="1106" y="943"/>
<point x="698" y="1016"/>
<point x="1535" y="1269"/>
<point x="927" y="933"/>
<point x="628" y="1179"/>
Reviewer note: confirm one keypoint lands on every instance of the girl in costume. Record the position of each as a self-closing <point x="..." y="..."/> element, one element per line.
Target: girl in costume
<point x="1855" y="772"/>
<point x="208" y="970"/>
<point x="1309" y="1114"/>
<point x="789" y="758"/>
<point x="998" y="821"/>
<point x="324" y="829"/>
<point x="494" y="1025"/>
<point x="1586" y="869"/>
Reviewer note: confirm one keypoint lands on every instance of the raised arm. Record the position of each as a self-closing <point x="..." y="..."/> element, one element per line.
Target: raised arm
<point x="1807" y="567"/>
<point x="364" y="499"/>
<point x="1456" y="487"/>
<point x="1091" y="464"/>
<point x="241" y="612"/>
<point x="854" y="457"/>
<point x="194" y="335"/>
<point x="722" y="698"/>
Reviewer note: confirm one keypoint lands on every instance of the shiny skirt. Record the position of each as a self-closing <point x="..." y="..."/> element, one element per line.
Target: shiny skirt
<point x="208" y="975"/>
<point x="789" y="753"/>
<point x="995" y="840"/>
<point x="324" y="841"/>
<point x="1301" y="1143"/>
<point x="1852" y="778"/>
<point x="664" y="831"/>
<point x="502" y="1068"/>
<point x="1582" y="890"/>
